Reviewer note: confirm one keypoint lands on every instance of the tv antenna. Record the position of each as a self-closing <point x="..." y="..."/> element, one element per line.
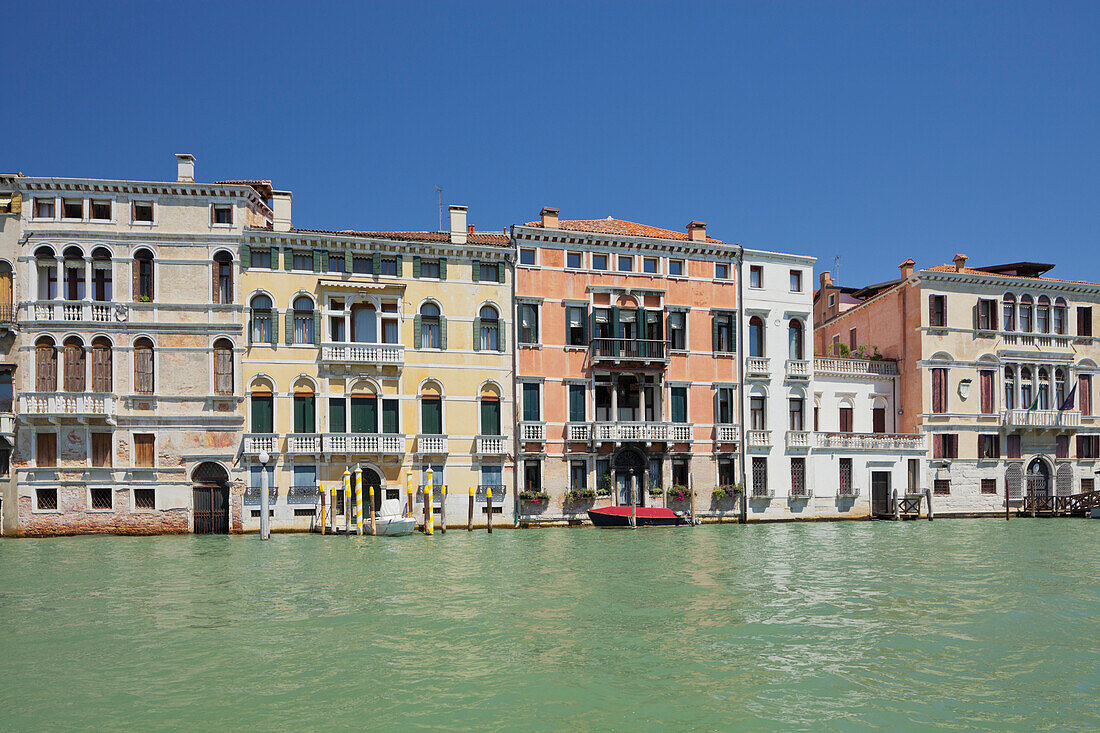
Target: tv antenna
<point x="836" y="269"/>
<point x="439" y="191"/>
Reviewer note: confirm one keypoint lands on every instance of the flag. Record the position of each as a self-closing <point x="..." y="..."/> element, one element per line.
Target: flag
<point x="1034" y="405"/>
<point x="1068" y="404"/>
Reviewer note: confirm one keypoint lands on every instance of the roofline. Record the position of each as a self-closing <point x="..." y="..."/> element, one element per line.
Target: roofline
<point x="717" y="245"/>
<point x="1047" y="283"/>
<point x="171" y="187"/>
<point x="296" y="235"/>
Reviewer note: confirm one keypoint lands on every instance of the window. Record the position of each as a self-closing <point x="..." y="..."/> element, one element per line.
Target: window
<point x="625" y="263"/>
<point x="756" y="413"/>
<point x="1061" y="446"/>
<point x="725" y="414"/>
<point x="798" y="477"/>
<point x="1012" y="446"/>
<point x="143" y="275"/>
<point x="431" y="415"/>
<point x="390" y="334"/>
<point x="677" y="330"/>
<point x="985" y="388"/>
<point x="532" y="476"/>
<point x="101" y="209"/>
<point x="1010" y="388"/>
<point x="756" y="276"/>
<point x="1088" y="446"/>
<point x="141" y="211"/>
<point x="676" y="268"/>
<point x="527" y="256"/>
<point x="724" y="335"/>
<point x="429" y="268"/>
<point x="678" y="407"/>
<point x="223" y="367"/>
<point x="1084" y="394"/>
<point x="937" y="311"/>
<point x="836" y="344"/>
<point x="145" y="499"/>
<point x="578" y="475"/>
<point x="43" y="208"/>
<point x="45" y="449"/>
<point x="989" y="446"/>
<point x="1088" y="484"/>
<point x="488" y="336"/>
<point x="47" y="273"/>
<point x="528" y="323"/>
<point x="727" y="471"/>
<point x="143" y="366"/>
<point x="913" y="473"/>
<point x="75" y="364"/>
<point x="759" y="475"/>
<point x="223" y="278"/>
<point x="989" y="486"/>
<point x="490" y="416"/>
<point x="45" y="499"/>
<point x="387" y="266"/>
<point x="102" y="277"/>
<point x="335" y="262"/>
<point x="832" y="300"/>
<point x="144" y="456"/>
<point x="941" y="487"/>
<point x="532" y="410"/>
<point x="599" y="262"/>
<point x="361" y="265"/>
<point x="304" y="405"/>
<point x="72" y="208"/>
<point x="1027" y="385"/>
<point x="1058" y="316"/>
<point x="303" y="320"/>
<point x="939" y="390"/>
<point x="756" y="336"/>
<point x="1042" y="314"/>
<point x="577" y="402"/>
<point x="574" y="260"/>
<point x="221" y="214"/>
<point x="878" y="420"/>
<point x="853" y="339"/>
<point x="649" y="265"/>
<point x="489" y="272"/>
<point x="796" y="281"/>
<point x="795" y="340"/>
<point x="1008" y="312"/>
<point x="680" y="471"/>
<point x="846" y="476"/>
<point x="1025" y="313"/>
<point x="721" y="271"/>
<point x="260" y="257"/>
<point x="576" y="325"/>
<point x="102" y="499"/>
<point x="262" y="406"/>
<point x="945" y="445"/>
<point x="796" y="413"/>
<point x="1084" y="320"/>
<point x="102" y="367"/>
<point x="301" y="261"/>
<point x="846" y="415"/>
<point x="262" y="318"/>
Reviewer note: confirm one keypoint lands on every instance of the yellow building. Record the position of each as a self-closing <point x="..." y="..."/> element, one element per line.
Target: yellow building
<point x="382" y="350"/>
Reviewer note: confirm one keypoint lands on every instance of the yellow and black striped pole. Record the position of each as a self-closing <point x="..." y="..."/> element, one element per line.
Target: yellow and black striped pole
<point x="429" y="520"/>
<point x="347" y="484"/>
<point x="358" y="500"/>
<point x="409" y="492"/>
<point x="321" y="493"/>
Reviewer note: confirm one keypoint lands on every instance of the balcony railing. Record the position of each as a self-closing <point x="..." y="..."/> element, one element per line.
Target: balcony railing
<point x="256" y="443"/>
<point x="303" y="443"/>
<point x="612" y="349"/>
<point x="365" y="354"/>
<point x="869" y="441"/>
<point x="848" y="491"/>
<point x="76" y="404"/>
<point x="798" y="439"/>
<point x="91" y="311"/>
<point x="762" y="492"/>
<point x="499" y="492"/>
<point x="631" y="431"/>
<point x="758" y="438"/>
<point x="578" y="431"/>
<point x="492" y="445"/>
<point x="757" y="366"/>
<point x="433" y="444"/>
<point x="869" y="367"/>
<point x="364" y="443"/>
<point x="726" y="433"/>
<point x="532" y="432"/>
<point x="679" y="432"/>
<point x="1042" y="418"/>
<point x="1036" y="339"/>
<point x="7" y="424"/>
<point x="801" y="492"/>
<point x="7" y="315"/>
<point x="798" y="369"/>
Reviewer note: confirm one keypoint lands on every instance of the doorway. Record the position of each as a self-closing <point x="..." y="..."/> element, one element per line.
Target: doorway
<point x="211" y="499"/>
<point x="630" y="472"/>
<point x="371" y="479"/>
<point x="880" y="494"/>
<point x="1038" y="478"/>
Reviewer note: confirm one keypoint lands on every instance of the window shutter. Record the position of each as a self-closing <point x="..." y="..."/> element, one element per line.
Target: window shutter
<point x="416" y="332"/>
<point x="289" y="325"/>
<point x="348" y="261"/>
<point x="135" y="287"/>
<point x="993" y="317"/>
<point x="376" y="263"/>
<point x="443" y="332"/>
<point x="714" y="332"/>
<point x="500" y="272"/>
<point x="274" y="326"/>
<point x="319" y="256"/>
<point x="288" y="258"/>
<point x="316" y="327"/>
<point x="246" y="256"/>
<point x="500" y="335"/>
<point x="400" y="266"/>
<point x="416" y="266"/>
<point x="476" y="271"/>
<point x="214" y="294"/>
<point x="477" y="334"/>
<point x="931" y="310"/>
<point x="976" y="315"/>
<point x="442" y="268"/>
<point x="101" y="369"/>
<point x="584" y="326"/>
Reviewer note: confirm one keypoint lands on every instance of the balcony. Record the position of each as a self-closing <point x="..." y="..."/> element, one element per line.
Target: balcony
<point x="253" y="444"/>
<point x="847" y="492"/>
<point x="7" y="316"/>
<point x="303" y="443"/>
<point x="532" y="432"/>
<point x="726" y="434"/>
<point x="758" y="366"/>
<point x="798" y="439"/>
<point x="801" y="492"/>
<point x="1042" y="419"/>
<point x="431" y="444"/>
<point x="798" y="369"/>
<point x="631" y="432"/>
<point x="869" y="441"/>
<point x="364" y="443"/>
<point x="77" y="311"/>
<point x="679" y="432"/>
<point x="758" y="438"/>
<point x="576" y="432"/>
<point x="859" y="367"/>
<point x="615" y="351"/>
<point x="54" y="405"/>
<point x="353" y="354"/>
<point x="762" y="492"/>
<point x="7" y="425"/>
<point x="492" y="445"/>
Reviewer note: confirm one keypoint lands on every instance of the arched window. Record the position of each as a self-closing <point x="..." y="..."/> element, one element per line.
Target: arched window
<point x="143" y="366"/>
<point x="1009" y="319"/>
<point x="1059" y="387"/>
<point x="1025" y="313"/>
<point x="262" y="407"/>
<point x="1044" y="389"/>
<point x="75" y="365"/>
<point x="490" y="410"/>
<point x="223" y="367"/>
<point x="431" y="409"/>
<point x="303" y="320"/>
<point x="756" y="336"/>
<point x="1042" y="315"/>
<point x="430" y="327"/>
<point x="1027" y="387"/>
<point x="45" y="365"/>
<point x="47" y="273"/>
<point x="364" y="323"/>
<point x="260" y="330"/>
<point x="1010" y="388"/>
<point x="143" y="275"/>
<point x="487" y="331"/>
<point x="74" y="274"/>
<point x="795" y="339"/>
<point x="305" y="408"/>
<point x="102" y="275"/>
<point x="223" y="278"/>
<point x="1058" y="314"/>
<point x="757" y="410"/>
<point x="102" y="365"/>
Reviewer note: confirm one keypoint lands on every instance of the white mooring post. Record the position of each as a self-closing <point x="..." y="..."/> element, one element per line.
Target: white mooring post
<point x="265" y="521"/>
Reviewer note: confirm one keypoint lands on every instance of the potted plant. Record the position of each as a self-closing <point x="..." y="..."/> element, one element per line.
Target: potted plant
<point x="534" y="497"/>
<point x="679" y="493"/>
<point x="726" y="491"/>
<point x="656" y="490"/>
<point x="575" y="496"/>
<point x="604" y="489"/>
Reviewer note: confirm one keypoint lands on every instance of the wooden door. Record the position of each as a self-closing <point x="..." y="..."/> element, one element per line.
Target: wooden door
<point x="880" y="494"/>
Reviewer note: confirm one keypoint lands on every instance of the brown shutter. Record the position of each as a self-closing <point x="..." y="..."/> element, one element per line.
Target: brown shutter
<point x="931" y="310"/>
<point x="878" y="418"/>
<point x="1084" y="396"/>
<point x="993" y="316"/>
<point x="939" y="390"/>
<point x="143" y="370"/>
<point x="46" y="449"/>
<point x="143" y="450"/>
<point x="45" y="368"/>
<point x="215" y="267"/>
<point x="986" y="386"/>
<point x="1014" y="446"/>
<point x="101" y="368"/>
<point x="74" y="368"/>
<point x="135" y="269"/>
<point x="101" y="449"/>
<point x="223" y="371"/>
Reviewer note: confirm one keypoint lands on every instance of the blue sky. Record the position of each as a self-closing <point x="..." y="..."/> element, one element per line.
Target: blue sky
<point x="872" y="130"/>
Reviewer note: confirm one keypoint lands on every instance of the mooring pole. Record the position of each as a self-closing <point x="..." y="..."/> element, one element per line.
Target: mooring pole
<point x="358" y="500"/>
<point x="324" y="500"/>
<point x="928" y="498"/>
<point x="633" y="498"/>
<point x="897" y="509"/>
<point x="691" y="496"/>
<point x="470" y="519"/>
<point x="428" y="501"/>
<point x="489" y="508"/>
<point x="1006" y="502"/>
<point x="373" y="528"/>
<point x="409" y="492"/>
<point x="348" y="500"/>
<point x="265" y="519"/>
<point x="443" y="510"/>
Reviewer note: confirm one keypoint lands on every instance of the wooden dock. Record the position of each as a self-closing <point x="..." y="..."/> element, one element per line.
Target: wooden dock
<point x="1050" y="505"/>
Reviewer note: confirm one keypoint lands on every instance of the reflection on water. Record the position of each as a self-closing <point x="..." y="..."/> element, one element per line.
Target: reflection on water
<point x="959" y="624"/>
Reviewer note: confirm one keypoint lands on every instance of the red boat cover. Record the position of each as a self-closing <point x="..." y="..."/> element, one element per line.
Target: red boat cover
<point x="642" y="511"/>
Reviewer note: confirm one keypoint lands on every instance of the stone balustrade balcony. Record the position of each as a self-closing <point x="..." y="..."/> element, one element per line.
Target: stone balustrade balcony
<point x="58" y="405"/>
<point x="359" y="354"/>
<point x="1041" y="419"/>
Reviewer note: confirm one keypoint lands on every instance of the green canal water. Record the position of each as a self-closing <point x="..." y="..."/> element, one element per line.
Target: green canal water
<point x="957" y="624"/>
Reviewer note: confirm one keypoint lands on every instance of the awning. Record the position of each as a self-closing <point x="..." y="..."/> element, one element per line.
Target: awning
<point x="362" y="286"/>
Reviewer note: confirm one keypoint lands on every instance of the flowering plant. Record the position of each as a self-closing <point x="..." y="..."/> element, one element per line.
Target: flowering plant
<point x="727" y="491"/>
<point x="680" y="493"/>
<point x="534" y="497"/>
<point x="575" y="495"/>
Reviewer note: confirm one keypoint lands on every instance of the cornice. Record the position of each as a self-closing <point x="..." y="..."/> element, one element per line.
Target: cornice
<point x="566" y="238"/>
<point x="144" y="188"/>
<point x="1005" y="282"/>
<point x="316" y="240"/>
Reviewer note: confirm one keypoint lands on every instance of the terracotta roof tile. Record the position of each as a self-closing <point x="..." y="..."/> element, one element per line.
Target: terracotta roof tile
<point x="621" y="228"/>
<point x="984" y="273"/>
<point x="262" y="187"/>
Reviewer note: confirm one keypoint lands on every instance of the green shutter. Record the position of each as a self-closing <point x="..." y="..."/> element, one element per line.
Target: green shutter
<point x="500" y="335"/>
<point x="615" y="330"/>
<point x="337" y="415"/>
<point x="679" y="404"/>
<point x="274" y="326"/>
<point x="733" y="334"/>
<point x="246" y="257"/>
<point x="714" y="332"/>
<point x="584" y="327"/>
<point x="364" y="414"/>
<point x="500" y="272"/>
<point x="289" y="325"/>
<point x="288" y="258"/>
<point x="576" y="403"/>
<point x="416" y="332"/>
<point x="490" y="417"/>
<point x="389" y="416"/>
<point x="442" y="268"/>
<point x="477" y="334"/>
<point x="416" y="266"/>
<point x="530" y="401"/>
<point x="642" y="326"/>
<point x="376" y="265"/>
<point x="318" y="260"/>
<point x="316" y="327"/>
<point x="476" y="271"/>
<point x="348" y="261"/>
<point x="262" y="421"/>
<point x="304" y="414"/>
<point x="400" y="266"/>
<point x="443" y="332"/>
<point x="431" y="416"/>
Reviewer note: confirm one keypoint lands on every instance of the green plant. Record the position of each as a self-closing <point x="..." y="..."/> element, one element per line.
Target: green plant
<point x="656" y="491"/>
<point x="575" y="495"/>
<point x="534" y="497"/>
<point x="843" y="350"/>
<point x="145" y="299"/>
<point x="680" y="493"/>
<point x="604" y="489"/>
<point x="726" y="491"/>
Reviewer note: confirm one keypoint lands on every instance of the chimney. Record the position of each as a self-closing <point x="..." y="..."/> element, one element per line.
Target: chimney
<point x="185" y="168"/>
<point x="907" y="268"/>
<point x="697" y="231"/>
<point x="280" y="210"/>
<point x="458" y="224"/>
<point x="469" y="228"/>
<point x="826" y="280"/>
<point x="549" y="216"/>
<point x="960" y="262"/>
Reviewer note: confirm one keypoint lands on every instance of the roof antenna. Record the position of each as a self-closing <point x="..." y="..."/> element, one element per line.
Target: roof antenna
<point x="440" y="192"/>
<point x="836" y="270"/>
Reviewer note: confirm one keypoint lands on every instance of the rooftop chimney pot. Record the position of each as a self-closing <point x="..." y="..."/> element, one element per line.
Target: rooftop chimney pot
<point x="280" y="210"/>
<point x="960" y="262"/>
<point x="549" y="216"/>
<point x="697" y="231"/>
<point x="907" y="268"/>
<point x="826" y="279"/>
<point x="458" y="224"/>
<point x="185" y="168"/>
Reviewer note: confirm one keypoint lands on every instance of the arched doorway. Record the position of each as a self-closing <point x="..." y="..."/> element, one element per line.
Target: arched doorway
<point x="629" y="468"/>
<point x="1038" y="478"/>
<point x="372" y="479"/>
<point x="210" y="487"/>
